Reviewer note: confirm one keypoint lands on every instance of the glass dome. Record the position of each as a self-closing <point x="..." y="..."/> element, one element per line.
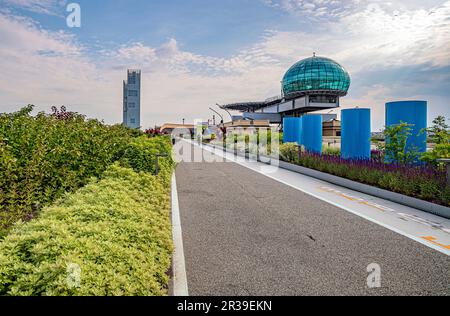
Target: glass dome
<point x="314" y="75"/>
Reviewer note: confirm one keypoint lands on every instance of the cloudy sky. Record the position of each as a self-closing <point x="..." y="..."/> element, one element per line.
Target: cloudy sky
<point x="195" y="53"/>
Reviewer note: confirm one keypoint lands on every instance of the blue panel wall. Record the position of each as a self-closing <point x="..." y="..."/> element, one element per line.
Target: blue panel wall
<point x="356" y="134"/>
<point x="411" y="112"/>
<point x="292" y="127"/>
<point x="312" y="133"/>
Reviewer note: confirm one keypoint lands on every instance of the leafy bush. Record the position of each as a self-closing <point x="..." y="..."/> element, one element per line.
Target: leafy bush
<point x="43" y="157"/>
<point x="395" y="147"/>
<point x="332" y="151"/>
<point x="141" y="154"/>
<point x="117" y="231"/>
<point x="441" y="151"/>
<point x="289" y="152"/>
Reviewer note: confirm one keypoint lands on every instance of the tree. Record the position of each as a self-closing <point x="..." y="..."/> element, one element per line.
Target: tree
<point x="440" y="135"/>
<point x="395" y="147"/>
<point x="439" y="132"/>
<point x="441" y="151"/>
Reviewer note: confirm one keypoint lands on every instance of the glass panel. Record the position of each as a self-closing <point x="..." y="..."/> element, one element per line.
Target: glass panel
<point x="316" y="74"/>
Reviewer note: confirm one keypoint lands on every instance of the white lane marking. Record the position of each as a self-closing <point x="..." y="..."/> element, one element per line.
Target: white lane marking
<point x="403" y="216"/>
<point x="180" y="286"/>
<point x="420" y="239"/>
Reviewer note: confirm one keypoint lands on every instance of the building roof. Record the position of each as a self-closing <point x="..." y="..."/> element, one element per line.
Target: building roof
<point x="316" y="75"/>
<point x="247" y="124"/>
<point x="251" y="106"/>
<point x="176" y="126"/>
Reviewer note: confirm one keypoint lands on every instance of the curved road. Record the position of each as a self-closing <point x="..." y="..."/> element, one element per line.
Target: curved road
<point x="247" y="234"/>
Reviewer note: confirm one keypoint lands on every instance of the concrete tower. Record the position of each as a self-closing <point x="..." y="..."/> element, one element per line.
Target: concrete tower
<point x="132" y="99"/>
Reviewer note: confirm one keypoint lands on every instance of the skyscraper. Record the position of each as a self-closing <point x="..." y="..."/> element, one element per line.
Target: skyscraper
<point x="132" y="99"/>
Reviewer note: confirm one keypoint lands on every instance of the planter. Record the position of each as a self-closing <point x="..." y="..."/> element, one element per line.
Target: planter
<point x="422" y="205"/>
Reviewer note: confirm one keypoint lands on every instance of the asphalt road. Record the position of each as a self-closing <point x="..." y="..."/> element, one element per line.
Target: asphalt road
<point x="246" y="234"/>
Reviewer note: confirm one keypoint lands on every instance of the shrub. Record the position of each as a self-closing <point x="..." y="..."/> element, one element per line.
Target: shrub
<point x="117" y="231"/>
<point x="141" y="154"/>
<point x="439" y="152"/>
<point x="396" y="144"/>
<point x="332" y="151"/>
<point x="289" y="151"/>
<point x="44" y="156"/>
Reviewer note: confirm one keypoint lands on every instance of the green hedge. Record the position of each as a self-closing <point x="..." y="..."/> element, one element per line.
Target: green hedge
<point x="44" y="156"/>
<point x="117" y="230"/>
<point x="140" y="154"/>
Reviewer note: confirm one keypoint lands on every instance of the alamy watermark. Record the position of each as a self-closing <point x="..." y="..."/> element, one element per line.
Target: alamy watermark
<point x="239" y="144"/>
<point x="73" y="276"/>
<point x="374" y="278"/>
<point x="74" y="17"/>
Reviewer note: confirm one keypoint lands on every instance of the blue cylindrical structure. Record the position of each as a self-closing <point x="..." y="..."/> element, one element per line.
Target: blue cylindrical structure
<point x="292" y="128"/>
<point x="413" y="113"/>
<point x="312" y="133"/>
<point x="356" y="134"/>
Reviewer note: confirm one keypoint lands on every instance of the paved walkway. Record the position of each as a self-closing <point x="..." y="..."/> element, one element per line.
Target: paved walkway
<point x="246" y="234"/>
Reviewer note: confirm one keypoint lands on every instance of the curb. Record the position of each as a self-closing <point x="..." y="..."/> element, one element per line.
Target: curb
<point x="415" y="203"/>
<point x="180" y="287"/>
<point x="422" y="205"/>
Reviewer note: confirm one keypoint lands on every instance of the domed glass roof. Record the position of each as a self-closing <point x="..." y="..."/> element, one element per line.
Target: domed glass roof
<point x="316" y="74"/>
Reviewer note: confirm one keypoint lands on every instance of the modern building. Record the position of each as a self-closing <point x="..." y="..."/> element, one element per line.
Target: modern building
<point x="132" y="99"/>
<point x="312" y="84"/>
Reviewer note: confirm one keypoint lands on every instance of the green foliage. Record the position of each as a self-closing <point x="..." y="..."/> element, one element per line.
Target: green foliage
<point x="117" y="230"/>
<point x="289" y="152"/>
<point x="43" y="157"/>
<point x="395" y="146"/>
<point x="332" y="151"/>
<point x="439" y="133"/>
<point x="441" y="151"/>
<point x="141" y="154"/>
<point x="263" y="138"/>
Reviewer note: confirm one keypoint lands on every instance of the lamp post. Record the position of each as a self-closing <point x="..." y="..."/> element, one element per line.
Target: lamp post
<point x="221" y="117"/>
<point x="447" y="164"/>
<point x="163" y="155"/>
<point x="221" y="107"/>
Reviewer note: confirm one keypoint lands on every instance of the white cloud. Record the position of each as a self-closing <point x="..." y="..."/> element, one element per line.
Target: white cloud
<point x="51" y="68"/>
<point x="314" y="9"/>
<point x="373" y="38"/>
<point x="51" y="7"/>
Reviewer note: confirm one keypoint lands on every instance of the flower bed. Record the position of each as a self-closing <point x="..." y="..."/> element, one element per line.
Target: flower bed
<point x="424" y="182"/>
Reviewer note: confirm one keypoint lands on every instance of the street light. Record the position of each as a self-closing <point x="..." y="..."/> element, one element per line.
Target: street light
<point x="221" y="107"/>
<point x="221" y="117"/>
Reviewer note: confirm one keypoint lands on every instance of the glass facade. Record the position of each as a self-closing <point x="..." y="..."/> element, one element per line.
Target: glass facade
<point x="316" y="73"/>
